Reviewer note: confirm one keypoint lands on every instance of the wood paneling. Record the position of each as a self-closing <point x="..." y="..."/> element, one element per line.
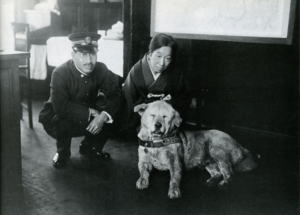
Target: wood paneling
<point x="81" y="15"/>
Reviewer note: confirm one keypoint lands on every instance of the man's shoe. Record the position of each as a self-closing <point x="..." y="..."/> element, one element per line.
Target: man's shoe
<point x="59" y="161"/>
<point x="100" y="155"/>
<point x="84" y="148"/>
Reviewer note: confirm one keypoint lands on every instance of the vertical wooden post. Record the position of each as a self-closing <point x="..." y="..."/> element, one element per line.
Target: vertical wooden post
<point x="136" y="31"/>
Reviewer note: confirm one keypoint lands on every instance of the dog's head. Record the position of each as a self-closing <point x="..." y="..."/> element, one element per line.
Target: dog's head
<point x="158" y="119"/>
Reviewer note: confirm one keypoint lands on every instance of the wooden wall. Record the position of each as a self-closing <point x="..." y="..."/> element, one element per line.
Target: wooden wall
<point x="81" y="15"/>
<point x="247" y="85"/>
<point x="136" y="31"/>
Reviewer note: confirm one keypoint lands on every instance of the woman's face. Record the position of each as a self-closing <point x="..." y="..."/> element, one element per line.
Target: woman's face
<point x="160" y="59"/>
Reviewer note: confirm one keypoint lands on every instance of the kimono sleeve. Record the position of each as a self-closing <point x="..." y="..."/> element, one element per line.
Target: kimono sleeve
<point x="133" y="97"/>
<point x="181" y="98"/>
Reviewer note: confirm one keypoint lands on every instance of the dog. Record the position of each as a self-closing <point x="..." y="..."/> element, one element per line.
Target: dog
<point x="164" y="146"/>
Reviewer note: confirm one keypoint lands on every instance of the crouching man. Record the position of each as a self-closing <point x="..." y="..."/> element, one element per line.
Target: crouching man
<point x="84" y="98"/>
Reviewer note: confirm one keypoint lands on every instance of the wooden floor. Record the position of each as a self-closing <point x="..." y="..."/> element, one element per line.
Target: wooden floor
<point x="85" y="188"/>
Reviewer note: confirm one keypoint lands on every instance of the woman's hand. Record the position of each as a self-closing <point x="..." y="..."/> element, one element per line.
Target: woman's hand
<point x="97" y="123"/>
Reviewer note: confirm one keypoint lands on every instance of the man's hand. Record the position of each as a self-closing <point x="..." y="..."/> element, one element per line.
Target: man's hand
<point x="97" y="123"/>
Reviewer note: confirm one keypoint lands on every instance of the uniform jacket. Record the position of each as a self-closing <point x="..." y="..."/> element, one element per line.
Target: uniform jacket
<point x="140" y="83"/>
<point x="72" y="93"/>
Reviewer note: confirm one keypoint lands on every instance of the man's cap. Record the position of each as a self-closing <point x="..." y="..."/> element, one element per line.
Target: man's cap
<point x="84" y="41"/>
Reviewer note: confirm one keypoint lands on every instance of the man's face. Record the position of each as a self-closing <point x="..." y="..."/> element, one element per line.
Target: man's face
<point x="85" y="61"/>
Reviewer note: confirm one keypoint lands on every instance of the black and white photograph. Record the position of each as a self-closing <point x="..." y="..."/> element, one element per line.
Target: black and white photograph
<point x="150" y="107"/>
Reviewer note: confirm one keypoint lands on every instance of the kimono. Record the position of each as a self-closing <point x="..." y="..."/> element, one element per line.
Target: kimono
<point x="140" y="87"/>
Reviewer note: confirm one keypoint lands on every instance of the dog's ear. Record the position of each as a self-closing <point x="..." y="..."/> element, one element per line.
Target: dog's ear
<point x="177" y="119"/>
<point x="140" y="108"/>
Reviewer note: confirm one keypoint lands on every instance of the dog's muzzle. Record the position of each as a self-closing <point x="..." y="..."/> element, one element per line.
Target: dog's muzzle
<point x="158" y="129"/>
<point x="157" y="134"/>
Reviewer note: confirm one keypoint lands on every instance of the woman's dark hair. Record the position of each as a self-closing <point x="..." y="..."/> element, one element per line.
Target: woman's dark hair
<point x="161" y="40"/>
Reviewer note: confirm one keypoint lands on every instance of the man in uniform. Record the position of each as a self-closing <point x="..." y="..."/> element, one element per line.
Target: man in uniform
<point x="83" y="99"/>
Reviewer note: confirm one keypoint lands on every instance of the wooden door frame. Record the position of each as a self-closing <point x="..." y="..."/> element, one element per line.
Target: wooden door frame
<point x="136" y="17"/>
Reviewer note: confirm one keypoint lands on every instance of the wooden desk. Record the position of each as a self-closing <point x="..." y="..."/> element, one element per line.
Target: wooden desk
<point x="12" y="201"/>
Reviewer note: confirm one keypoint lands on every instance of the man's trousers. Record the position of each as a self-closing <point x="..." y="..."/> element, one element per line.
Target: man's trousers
<point x="64" y="130"/>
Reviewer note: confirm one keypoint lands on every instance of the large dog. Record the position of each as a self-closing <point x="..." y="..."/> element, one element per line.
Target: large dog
<point x="165" y="147"/>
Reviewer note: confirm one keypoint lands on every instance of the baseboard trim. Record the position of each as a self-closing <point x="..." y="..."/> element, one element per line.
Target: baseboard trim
<point x="261" y="132"/>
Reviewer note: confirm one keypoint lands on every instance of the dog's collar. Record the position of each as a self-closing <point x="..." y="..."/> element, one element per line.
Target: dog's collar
<point x="162" y="142"/>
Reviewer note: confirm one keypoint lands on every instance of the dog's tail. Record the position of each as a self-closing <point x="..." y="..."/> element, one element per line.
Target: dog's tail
<point x="247" y="164"/>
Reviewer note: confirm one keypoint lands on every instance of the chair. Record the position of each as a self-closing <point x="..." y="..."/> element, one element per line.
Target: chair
<point x="21" y="31"/>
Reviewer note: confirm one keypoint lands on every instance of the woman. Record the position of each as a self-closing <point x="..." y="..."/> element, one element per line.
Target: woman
<point x="154" y="77"/>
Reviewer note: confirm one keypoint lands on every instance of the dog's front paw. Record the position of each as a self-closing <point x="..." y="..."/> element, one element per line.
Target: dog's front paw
<point x="223" y="185"/>
<point x="174" y="192"/>
<point x="142" y="183"/>
<point x="213" y="181"/>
